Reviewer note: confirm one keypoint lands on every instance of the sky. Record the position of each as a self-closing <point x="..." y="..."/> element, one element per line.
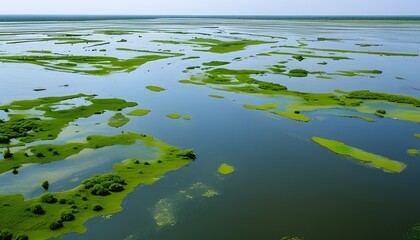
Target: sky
<point x="212" y="7"/>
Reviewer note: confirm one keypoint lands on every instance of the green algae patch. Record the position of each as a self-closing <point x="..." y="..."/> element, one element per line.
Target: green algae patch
<point x="216" y="45"/>
<point x="100" y="195"/>
<point x="216" y="96"/>
<point x="174" y="115"/>
<point x="263" y="107"/>
<point x="215" y="63"/>
<point x="368" y="119"/>
<point x="139" y="112"/>
<point x="190" y="57"/>
<point x="294" y="116"/>
<point x="118" y="120"/>
<point x="370" y="159"/>
<point x="297" y="73"/>
<point x="155" y="88"/>
<point x="48" y="124"/>
<point x="306" y="55"/>
<point x="356" y="51"/>
<point x="92" y="65"/>
<point x="210" y="193"/>
<point x="225" y="169"/>
<point x="186" y="81"/>
<point x="187" y="118"/>
<point x="417" y="135"/>
<point x="413" y="151"/>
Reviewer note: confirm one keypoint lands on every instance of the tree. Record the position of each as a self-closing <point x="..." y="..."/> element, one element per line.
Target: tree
<point x="7" y="154"/>
<point x="36" y="208"/>
<point x="45" y="185"/>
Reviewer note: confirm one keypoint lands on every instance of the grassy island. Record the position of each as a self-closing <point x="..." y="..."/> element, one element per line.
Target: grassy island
<point x="364" y="157"/>
<point x="54" y="214"/>
<point x="31" y="127"/>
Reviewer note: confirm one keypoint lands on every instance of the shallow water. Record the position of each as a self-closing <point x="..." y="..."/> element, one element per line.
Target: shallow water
<point x="284" y="184"/>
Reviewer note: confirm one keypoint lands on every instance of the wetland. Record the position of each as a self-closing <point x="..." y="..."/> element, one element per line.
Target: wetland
<point x="169" y="128"/>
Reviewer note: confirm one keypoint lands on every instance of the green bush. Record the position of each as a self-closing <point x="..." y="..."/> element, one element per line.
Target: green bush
<point x="36" y="209"/>
<point x="5" y="234"/>
<point x="381" y="111"/>
<point x="22" y="237"/>
<point x="97" y="207"/>
<point x="62" y="201"/>
<point x="7" y="154"/>
<point x="67" y="216"/>
<point x="45" y="185"/>
<point x="116" y="187"/>
<point x="48" y="198"/>
<point x="100" y="190"/>
<point x="56" y="225"/>
<point x="189" y="153"/>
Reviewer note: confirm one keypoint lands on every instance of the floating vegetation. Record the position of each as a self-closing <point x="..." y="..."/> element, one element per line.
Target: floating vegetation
<point x="413" y="151"/>
<point x="225" y="169"/>
<point x="100" y="195"/>
<point x="263" y="107"/>
<point x="216" y="96"/>
<point x="139" y="112"/>
<point x="190" y="57"/>
<point x="215" y="63"/>
<point x="297" y="73"/>
<point x="364" y="157"/>
<point x="368" y="45"/>
<point x="294" y="116"/>
<point x="359" y="117"/>
<point x="356" y="51"/>
<point x="155" y="88"/>
<point x="92" y="65"/>
<point x="118" y="120"/>
<point x="216" y="45"/>
<point x="174" y="115"/>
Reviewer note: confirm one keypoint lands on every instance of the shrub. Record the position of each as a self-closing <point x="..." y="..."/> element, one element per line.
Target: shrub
<point x="99" y="190"/>
<point x="381" y="111"/>
<point x="40" y="155"/>
<point x="15" y="171"/>
<point x="45" y="185"/>
<point x="116" y="187"/>
<point x="84" y="198"/>
<point x="5" y="234"/>
<point x="67" y="216"/>
<point x="22" y="237"/>
<point x="7" y="154"/>
<point x="97" y="207"/>
<point x="62" y="201"/>
<point x="56" y="225"/>
<point x="36" y="209"/>
<point x="189" y="153"/>
<point x="48" y="198"/>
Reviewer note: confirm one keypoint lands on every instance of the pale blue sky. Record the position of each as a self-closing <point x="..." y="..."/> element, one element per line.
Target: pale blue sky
<point x="213" y="7"/>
